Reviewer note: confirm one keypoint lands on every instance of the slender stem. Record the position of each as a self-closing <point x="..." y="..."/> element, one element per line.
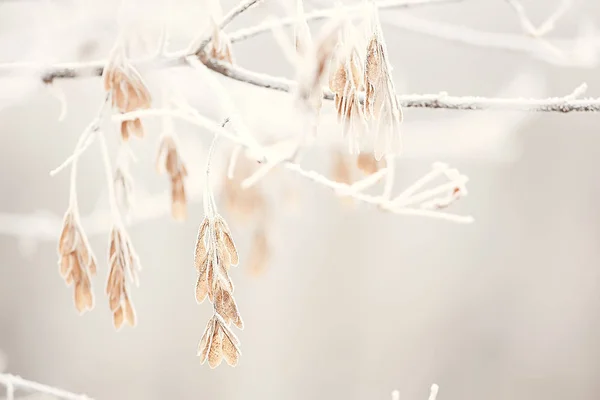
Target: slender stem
<point x="82" y="144"/>
<point x="231" y="15"/>
<point x="112" y="198"/>
<point x="13" y="381"/>
<point x="209" y="200"/>
<point x="351" y="10"/>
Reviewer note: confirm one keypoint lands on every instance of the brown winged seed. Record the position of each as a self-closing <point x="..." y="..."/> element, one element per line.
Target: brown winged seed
<point x="346" y="82"/>
<point x="215" y="254"/>
<point x="381" y="103"/>
<point x="77" y="262"/>
<point x="367" y="163"/>
<point x="122" y="261"/>
<point x="218" y="342"/>
<point x="128" y="92"/>
<point x="242" y="203"/>
<point x="168" y="159"/>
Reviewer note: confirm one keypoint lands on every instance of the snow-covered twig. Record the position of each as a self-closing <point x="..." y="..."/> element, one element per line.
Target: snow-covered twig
<point x="547" y="26"/>
<point x="383" y="202"/>
<point x="563" y="104"/>
<point x="317" y="15"/>
<point x="13" y="382"/>
<point x="199" y="43"/>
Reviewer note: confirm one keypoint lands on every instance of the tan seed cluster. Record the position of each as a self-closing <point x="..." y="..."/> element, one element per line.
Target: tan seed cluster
<point x="218" y="342"/>
<point x="122" y="260"/>
<point x="128" y="93"/>
<point x="346" y="81"/>
<point x="381" y="103"/>
<point x="342" y="170"/>
<point x="248" y="205"/>
<point x="368" y="164"/>
<point x="170" y="161"/>
<point x="315" y="57"/>
<point x="243" y="204"/>
<point x="215" y="254"/>
<point x="350" y="77"/>
<point x="77" y="262"/>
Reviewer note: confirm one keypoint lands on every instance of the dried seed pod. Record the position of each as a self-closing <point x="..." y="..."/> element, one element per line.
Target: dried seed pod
<point x="224" y="237"/>
<point x="214" y="254"/>
<point x="231" y="353"/>
<point x="127" y="90"/>
<point x="242" y="204"/>
<point x="367" y="163"/>
<point x="76" y="262"/>
<point x="341" y="173"/>
<point x="215" y="354"/>
<point x="381" y="104"/>
<point x="122" y="261"/>
<point x="259" y="253"/>
<point x="168" y="160"/>
<point x="346" y="82"/>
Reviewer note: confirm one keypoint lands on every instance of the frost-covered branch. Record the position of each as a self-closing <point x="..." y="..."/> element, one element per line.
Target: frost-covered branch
<point x="426" y="204"/>
<point x="547" y="26"/>
<point x="434" y="101"/>
<point x="565" y="104"/>
<point x="14" y="382"/>
<point x="441" y="100"/>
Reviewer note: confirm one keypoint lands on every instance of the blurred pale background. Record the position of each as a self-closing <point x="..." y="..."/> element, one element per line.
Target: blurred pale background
<point x="354" y="302"/>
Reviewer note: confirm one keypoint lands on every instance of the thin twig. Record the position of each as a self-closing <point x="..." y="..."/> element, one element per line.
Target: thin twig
<point x="231" y="15"/>
<point x="441" y="100"/>
<point x="547" y="26"/>
<point x="380" y="201"/>
<point x="432" y="101"/>
<point x="317" y="15"/>
<point x="16" y="382"/>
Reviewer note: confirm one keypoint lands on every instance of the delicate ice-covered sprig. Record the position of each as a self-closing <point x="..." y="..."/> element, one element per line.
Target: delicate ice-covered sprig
<point x="77" y="262"/>
<point x="14" y="382"/>
<point x="122" y="257"/>
<point x="382" y="202"/>
<point x="214" y="255"/>
<point x="547" y="26"/>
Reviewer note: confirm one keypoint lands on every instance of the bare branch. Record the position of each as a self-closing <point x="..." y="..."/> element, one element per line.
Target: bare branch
<point x="547" y="26"/>
<point x="441" y="100"/>
<point x="12" y="382"/>
<point x="403" y="206"/>
<point x="231" y="15"/>
<point x="356" y="9"/>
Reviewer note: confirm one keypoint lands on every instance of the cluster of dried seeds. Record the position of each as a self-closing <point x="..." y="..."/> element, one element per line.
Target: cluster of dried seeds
<point x="314" y="57"/>
<point x="215" y="254"/>
<point x="127" y="91"/>
<point x="368" y="164"/>
<point x="246" y="204"/>
<point x="350" y="78"/>
<point x="346" y="82"/>
<point x="77" y="262"/>
<point x="343" y="172"/>
<point x="170" y="161"/>
<point x="123" y="261"/>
